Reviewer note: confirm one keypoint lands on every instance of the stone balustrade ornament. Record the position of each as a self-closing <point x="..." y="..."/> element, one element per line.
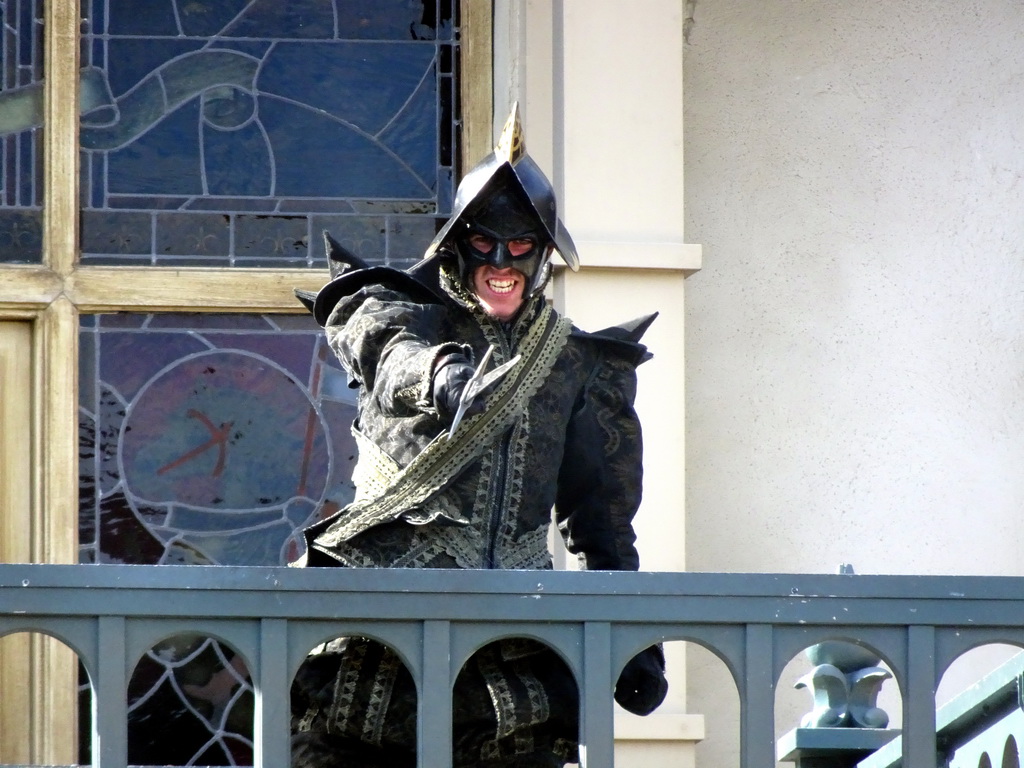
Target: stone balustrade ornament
<point x="845" y="683"/>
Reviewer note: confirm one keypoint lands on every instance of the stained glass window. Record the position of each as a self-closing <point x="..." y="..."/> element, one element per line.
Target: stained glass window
<point x="21" y="119"/>
<point x="231" y="132"/>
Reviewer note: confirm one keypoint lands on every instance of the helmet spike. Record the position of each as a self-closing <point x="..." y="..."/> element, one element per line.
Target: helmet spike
<point x="511" y="145"/>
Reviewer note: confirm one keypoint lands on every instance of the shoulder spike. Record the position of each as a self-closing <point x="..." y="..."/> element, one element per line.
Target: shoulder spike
<point x="339" y="258"/>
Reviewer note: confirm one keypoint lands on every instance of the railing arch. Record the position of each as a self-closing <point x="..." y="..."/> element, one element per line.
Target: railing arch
<point x="951" y="646"/>
<point x="78" y="634"/>
<point x="405" y="638"/>
<point x="562" y="640"/>
<point x="242" y="638"/>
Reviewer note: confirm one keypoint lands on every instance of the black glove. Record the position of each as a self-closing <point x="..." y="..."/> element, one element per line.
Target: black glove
<point x="451" y="374"/>
<point x="642" y="685"/>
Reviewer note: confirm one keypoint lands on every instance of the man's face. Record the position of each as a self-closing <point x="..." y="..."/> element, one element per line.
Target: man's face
<point x="500" y="250"/>
<point x="500" y="291"/>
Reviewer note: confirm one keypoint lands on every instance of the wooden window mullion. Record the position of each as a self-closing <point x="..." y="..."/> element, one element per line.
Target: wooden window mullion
<point x="60" y="153"/>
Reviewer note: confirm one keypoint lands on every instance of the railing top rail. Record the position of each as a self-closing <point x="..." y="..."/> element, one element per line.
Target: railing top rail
<point x="776" y="599"/>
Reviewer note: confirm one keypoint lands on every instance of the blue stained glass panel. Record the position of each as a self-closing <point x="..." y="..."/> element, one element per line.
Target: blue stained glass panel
<point x="364" y="85"/>
<point x="21" y="119"/>
<point x="152" y="164"/>
<point x="239" y="163"/>
<point x="303" y="108"/>
<point x="159" y="19"/>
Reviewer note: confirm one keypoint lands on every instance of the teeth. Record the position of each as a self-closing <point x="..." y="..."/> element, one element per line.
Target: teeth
<point x="501" y="286"/>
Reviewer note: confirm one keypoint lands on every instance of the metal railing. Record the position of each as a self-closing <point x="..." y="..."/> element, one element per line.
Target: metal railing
<point x="111" y="615"/>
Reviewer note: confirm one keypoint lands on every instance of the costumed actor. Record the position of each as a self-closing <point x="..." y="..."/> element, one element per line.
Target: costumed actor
<point x="454" y="472"/>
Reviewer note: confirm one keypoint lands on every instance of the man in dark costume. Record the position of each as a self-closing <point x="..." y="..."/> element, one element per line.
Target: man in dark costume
<point x="449" y="477"/>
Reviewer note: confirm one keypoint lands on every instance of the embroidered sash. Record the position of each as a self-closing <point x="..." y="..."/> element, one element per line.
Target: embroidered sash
<point x="444" y="458"/>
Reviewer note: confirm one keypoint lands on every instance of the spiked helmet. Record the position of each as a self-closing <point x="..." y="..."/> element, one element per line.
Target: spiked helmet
<point x="524" y="173"/>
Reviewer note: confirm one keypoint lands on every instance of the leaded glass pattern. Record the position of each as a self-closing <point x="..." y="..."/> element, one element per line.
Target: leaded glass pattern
<point x="204" y="439"/>
<point x="21" y="119"/>
<point x="190" y="702"/>
<point x="232" y="132"/>
<point x="207" y="438"/>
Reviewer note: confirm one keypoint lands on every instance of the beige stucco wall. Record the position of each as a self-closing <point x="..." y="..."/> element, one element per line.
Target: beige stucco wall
<point x="854" y="339"/>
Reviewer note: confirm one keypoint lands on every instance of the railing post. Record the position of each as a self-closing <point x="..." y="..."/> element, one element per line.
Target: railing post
<point x="272" y="745"/>
<point x="597" y="739"/>
<point x="435" y="721"/>
<point x="110" y="695"/>
<point x="757" y="709"/>
<point x="919" y="699"/>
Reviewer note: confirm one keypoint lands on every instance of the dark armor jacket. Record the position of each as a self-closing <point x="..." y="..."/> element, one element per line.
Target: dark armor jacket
<point x="575" y="445"/>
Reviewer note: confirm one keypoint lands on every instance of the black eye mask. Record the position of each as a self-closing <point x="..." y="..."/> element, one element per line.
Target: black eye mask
<point x="502" y="217"/>
<point x="501" y="254"/>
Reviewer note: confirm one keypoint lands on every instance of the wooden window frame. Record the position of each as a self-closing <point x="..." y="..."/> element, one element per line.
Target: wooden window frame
<point x="51" y="296"/>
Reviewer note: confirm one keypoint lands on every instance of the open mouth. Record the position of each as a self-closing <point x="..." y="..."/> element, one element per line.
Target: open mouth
<point x="501" y="285"/>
